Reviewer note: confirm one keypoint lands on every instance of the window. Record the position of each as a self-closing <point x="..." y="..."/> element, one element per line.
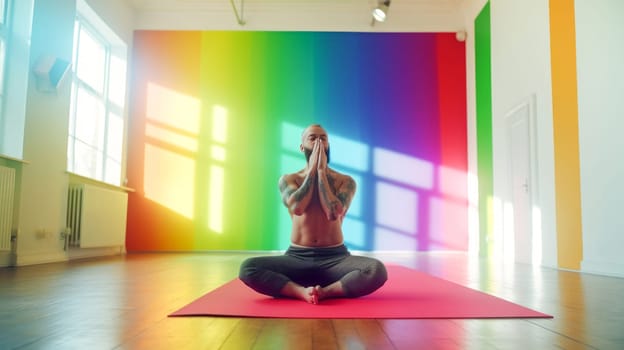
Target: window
<point x="97" y="122"/>
<point x="4" y="35"/>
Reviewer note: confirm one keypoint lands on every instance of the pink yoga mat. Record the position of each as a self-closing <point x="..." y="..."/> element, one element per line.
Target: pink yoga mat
<point x="407" y="294"/>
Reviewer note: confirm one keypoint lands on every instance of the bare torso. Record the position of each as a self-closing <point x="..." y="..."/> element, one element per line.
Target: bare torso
<point x="312" y="228"/>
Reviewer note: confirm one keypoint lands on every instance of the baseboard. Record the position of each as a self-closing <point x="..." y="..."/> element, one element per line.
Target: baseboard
<point x="72" y="254"/>
<point x="606" y="268"/>
<point x="6" y="259"/>
<point x="85" y="253"/>
<point x="41" y="258"/>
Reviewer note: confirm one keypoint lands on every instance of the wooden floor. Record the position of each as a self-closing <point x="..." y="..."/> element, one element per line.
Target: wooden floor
<point x="123" y="302"/>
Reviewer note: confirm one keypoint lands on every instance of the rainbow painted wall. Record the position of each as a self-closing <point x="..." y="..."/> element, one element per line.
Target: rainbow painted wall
<point x="216" y="118"/>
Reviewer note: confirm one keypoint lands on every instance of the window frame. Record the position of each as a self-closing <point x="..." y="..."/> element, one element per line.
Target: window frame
<point x="100" y="155"/>
<point x="5" y="24"/>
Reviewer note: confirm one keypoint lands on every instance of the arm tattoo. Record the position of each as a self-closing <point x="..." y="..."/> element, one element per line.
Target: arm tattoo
<point x="297" y="193"/>
<point x="303" y="189"/>
<point x="346" y="193"/>
<point x="323" y="190"/>
<point x="285" y="190"/>
<point x="331" y="205"/>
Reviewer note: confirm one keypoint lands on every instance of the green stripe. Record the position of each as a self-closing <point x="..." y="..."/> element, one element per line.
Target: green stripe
<point x="483" y="79"/>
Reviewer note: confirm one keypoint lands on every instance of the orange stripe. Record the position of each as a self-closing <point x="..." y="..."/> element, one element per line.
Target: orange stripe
<point x="565" y="129"/>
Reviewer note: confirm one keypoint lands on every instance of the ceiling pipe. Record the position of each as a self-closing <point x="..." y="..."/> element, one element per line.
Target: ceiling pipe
<point x="239" y="19"/>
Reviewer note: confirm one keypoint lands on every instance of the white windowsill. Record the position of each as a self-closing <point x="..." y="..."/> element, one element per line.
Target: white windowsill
<point x="14" y="159"/>
<point x="88" y="180"/>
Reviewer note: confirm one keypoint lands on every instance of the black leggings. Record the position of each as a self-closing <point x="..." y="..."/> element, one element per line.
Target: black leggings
<point x="314" y="266"/>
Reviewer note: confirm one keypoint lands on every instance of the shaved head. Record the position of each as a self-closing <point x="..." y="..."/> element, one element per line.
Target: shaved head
<point x="313" y="132"/>
<point x="311" y="128"/>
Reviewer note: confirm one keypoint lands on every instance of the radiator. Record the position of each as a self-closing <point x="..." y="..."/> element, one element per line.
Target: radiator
<point x="7" y="190"/>
<point x="96" y="216"/>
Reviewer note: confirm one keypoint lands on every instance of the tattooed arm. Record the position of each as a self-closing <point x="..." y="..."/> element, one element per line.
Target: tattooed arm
<point x="297" y="197"/>
<point x="335" y="200"/>
<point x="335" y="190"/>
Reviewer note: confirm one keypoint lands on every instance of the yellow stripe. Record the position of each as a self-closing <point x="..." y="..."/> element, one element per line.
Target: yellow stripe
<point x="565" y="129"/>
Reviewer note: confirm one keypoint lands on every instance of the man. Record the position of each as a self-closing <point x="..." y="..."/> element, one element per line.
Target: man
<point x="317" y="265"/>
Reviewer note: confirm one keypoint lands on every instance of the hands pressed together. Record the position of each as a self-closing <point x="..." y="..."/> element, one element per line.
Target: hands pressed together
<point x="318" y="159"/>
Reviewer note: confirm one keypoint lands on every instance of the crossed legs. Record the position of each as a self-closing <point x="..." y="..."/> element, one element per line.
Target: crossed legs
<point x="314" y="274"/>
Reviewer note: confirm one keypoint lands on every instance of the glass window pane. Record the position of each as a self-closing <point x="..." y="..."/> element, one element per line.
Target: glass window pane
<point x="113" y="171"/>
<point x="2" y="11"/>
<point x="75" y="47"/>
<point x="99" y="165"/>
<point x="2" y="60"/>
<point x="91" y="61"/>
<point x="72" y="117"/>
<point x="115" y="136"/>
<point x="70" y="153"/>
<point x="90" y="119"/>
<point x="117" y="81"/>
<point x="85" y="160"/>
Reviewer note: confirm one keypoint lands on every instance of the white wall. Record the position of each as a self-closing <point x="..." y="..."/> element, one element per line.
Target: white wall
<point x="521" y="71"/>
<point x="41" y="212"/>
<point x="43" y="195"/>
<point x="600" y="58"/>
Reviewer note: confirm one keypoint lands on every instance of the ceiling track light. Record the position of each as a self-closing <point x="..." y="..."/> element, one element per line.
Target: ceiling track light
<point x="380" y="12"/>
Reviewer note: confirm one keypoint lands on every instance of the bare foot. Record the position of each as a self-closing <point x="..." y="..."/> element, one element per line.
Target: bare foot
<point x="312" y="295"/>
<point x="316" y="294"/>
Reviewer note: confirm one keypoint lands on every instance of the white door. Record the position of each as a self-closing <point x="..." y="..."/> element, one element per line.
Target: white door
<point x="519" y="131"/>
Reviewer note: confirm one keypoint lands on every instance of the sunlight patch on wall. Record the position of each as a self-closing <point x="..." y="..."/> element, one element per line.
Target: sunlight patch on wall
<point x="348" y="153"/>
<point x="188" y="143"/>
<point x="389" y="240"/>
<point x="169" y="180"/>
<point x="396" y="207"/>
<point x="173" y="109"/>
<point x="172" y="127"/>
<point x="217" y="171"/>
<point x="402" y="168"/>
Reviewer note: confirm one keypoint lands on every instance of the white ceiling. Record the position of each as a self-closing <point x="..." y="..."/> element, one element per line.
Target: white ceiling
<point x="324" y="15"/>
